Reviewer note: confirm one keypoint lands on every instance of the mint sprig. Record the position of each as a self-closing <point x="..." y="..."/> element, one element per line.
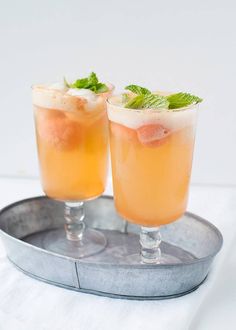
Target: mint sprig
<point x="137" y="89"/>
<point x="147" y="100"/>
<point x="181" y="100"/>
<point x="91" y="82"/>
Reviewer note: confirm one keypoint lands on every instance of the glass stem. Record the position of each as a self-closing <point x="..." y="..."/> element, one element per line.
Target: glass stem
<point x="150" y="240"/>
<point x="74" y="217"/>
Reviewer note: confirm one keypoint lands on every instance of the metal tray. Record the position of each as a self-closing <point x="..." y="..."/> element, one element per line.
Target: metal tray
<point x="24" y="224"/>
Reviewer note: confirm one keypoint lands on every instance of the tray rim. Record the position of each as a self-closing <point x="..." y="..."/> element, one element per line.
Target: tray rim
<point x="107" y="294"/>
<point x="108" y="265"/>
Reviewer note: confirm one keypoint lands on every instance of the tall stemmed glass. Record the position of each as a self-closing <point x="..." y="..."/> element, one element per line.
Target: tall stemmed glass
<point x="72" y="141"/>
<point x="151" y="154"/>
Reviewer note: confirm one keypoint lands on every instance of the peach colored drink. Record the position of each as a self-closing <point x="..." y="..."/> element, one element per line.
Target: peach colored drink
<point x="151" y="155"/>
<point x="72" y="143"/>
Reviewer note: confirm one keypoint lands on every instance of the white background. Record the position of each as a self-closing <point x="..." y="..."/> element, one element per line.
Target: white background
<point x="179" y="45"/>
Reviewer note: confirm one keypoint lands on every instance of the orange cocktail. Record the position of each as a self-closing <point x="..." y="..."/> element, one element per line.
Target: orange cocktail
<point x="151" y="153"/>
<point x="72" y="144"/>
<point x="152" y="165"/>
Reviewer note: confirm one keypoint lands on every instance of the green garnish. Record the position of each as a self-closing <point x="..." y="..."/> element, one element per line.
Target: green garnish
<point x="126" y="97"/>
<point x="137" y="89"/>
<point x="66" y="82"/>
<point x="144" y="99"/>
<point x="181" y="100"/>
<point x="147" y="101"/>
<point x="153" y="101"/>
<point x="135" y="102"/>
<point x="91" y="82"/>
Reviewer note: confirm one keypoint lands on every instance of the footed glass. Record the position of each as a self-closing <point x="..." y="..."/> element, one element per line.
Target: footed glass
<point x="72" y="141"/>
<point x="151" y="155"/>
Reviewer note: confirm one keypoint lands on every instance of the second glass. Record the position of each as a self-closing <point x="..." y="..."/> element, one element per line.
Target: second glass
<point x="151" y="154"/>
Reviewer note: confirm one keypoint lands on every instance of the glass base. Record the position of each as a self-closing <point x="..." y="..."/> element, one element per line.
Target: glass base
<point x="170" y="254"/>
<point x="165" y="259"/>
<point x="92" y="243"/>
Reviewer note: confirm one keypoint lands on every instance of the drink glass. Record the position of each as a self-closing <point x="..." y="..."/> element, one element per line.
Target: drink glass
<point x="72" y="143"/>
<point x="151" y="155"/>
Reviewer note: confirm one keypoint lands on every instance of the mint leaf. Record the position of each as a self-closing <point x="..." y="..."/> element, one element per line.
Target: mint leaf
<point x="138" y="90"/>
<point x="135" y="103"/>
<point x="66" y="82"/>
<point x="126" y="97"/>
<point x="92" y="79"/>
<point x="101" y="88"/>
<point x="144" y="99"/>
<point x="152" y="101"/>
<point x="81" y="83"/>
<point x="91" y="82"/>
<point x="147" y="101"/>
<point x="181" y="100"/>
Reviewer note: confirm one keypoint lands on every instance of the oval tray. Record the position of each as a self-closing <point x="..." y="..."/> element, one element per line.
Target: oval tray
<point x="195" y="241"/>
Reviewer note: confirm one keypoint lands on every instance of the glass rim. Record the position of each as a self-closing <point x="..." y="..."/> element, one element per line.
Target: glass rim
<point x="110" y="86"/>
<point x="193" y="106"/>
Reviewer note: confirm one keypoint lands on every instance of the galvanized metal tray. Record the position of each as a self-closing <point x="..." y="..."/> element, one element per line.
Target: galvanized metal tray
<point x="24" y="224"/>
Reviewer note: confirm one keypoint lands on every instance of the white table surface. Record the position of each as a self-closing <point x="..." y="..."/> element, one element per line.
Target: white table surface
<point x="27" y="304"/>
